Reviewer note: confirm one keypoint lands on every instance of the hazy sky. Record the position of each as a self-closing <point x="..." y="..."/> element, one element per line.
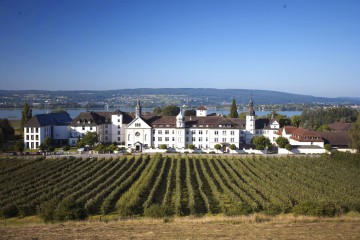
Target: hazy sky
<point x="308" y="47"/>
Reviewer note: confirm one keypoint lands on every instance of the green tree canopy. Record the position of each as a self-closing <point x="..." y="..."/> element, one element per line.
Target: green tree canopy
<point x="295" y="120"/>
<point x="190" y="112"/>
<point x="89" y="138"/>
<point x="191" y="146"/>
<point x="242" y="115"/>
<point x="233" y="110"/>
<point x="7" y="132"/>
<point x="355" y="135"/>
<point x="217" y="146"/>
<point x="261" y="142"/>
<point x="170" y="110"/>
<point x="26" y="115"/>
<point x="281" y="142"/>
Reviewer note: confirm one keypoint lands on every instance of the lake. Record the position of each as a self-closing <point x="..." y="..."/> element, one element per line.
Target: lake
<point x="15" y="114"/>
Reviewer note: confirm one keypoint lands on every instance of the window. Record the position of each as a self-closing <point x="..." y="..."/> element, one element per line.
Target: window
<point x="166" y="139"/>
<point x="32" y="137"/>
<point x="118" y="139"/>
<point x="224" y="139"/>
<point x="192" y="131"/>
<point x="232" y="140"/>
<point x="27" y="130"/>
<point x="193" y="139"/>
<point x="118" y="126"/>
<point x="200" y="139"/>
<point x="153" y="139"/>
<point x="145" y="137"/>
<point x="37" y="130"/>
<point x="118" y="120"/>
<point x="159" y="139"/>
<point x="216" y="139"/>
<point x="187" y="132"/>
<point x="90" y="128"/>
<point x="159" y="131"/>
<point x="223" y="132"/>
<point x="83" y="128"/>
<point x="216" y="132"/>
<point x="200" y="132"/>
<point x="118" y="132"/>
<point x="207" y="139"/>
<point x="27" y="137"/>
<point x="173" y="131"/>
<point x="37" y="137"/>
<point x="137" y="124"/>
<point x="187" y="139"/>
<point x="106" y="138"/>
<point x="173" y="139"/>
<point x="106" y="126"/>
<point x="129" y="137"/>
<point x="166" y="131"/>
<point x="232" y="132"/>
<point x="106" y="131"/>
<point x="153" y="131"/>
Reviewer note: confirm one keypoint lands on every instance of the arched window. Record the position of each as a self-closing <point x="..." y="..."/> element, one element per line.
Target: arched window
<point x="128" y="137"/>
<point x="145" y="137"/>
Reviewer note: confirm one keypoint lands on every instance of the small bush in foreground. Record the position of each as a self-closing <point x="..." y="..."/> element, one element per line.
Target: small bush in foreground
<point x="156" y="211"/>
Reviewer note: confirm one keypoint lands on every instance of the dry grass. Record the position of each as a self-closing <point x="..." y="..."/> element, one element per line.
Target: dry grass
<point x="256" y="226"/>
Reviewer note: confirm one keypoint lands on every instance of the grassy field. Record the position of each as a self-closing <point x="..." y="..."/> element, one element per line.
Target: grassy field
<point x="213" y="227"/>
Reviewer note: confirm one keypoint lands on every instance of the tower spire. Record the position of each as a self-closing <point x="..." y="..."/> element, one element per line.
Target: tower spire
<point x="138" y="109"/>
<point x="251" y="111"/>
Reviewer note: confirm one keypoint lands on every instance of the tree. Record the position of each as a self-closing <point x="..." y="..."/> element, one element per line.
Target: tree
<point x="163" y="146"/>
<point x="7" y="132"/>
<point x="190" y="112"/>
<point x="26" y="115"/>
<point x="217" y="146"/>
<point x="261" y="142"/>
<point x="288" y="147"/>
<point x="242" y="115"/>
<point x="19" y="146"/>
<point x="170" y="110"/>
<point x="233" y="147"/>
<point x="355" y="135"/>
<point x="233" y="110"/>
<point x="324" y="128"/>
<point x="191" y="146"/>
<point x="89" y="138"/>
<point x="295" y="120"/>
<point x="281" y="142"/>
<point x="328" y="147"/>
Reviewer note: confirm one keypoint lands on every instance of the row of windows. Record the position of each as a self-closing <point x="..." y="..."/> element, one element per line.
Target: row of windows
<point x="32" y="137"/>
<point x="32" y="130"/>
<point x="193" y="132"/>
<point x="165" y="131"/>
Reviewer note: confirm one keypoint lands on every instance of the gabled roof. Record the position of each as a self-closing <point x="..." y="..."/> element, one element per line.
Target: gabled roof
<point x="49" y="119"/>
<point x="263" y="123"/>
<point x="288" y="130"/>
<point x="201" y="108"/>
<point x="336" y="138"/>
<point x="304" y="135"/>
<point x="340" y="126"/>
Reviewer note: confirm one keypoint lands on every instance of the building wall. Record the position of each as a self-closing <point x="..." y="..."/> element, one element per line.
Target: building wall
<point x="34" y="136"/>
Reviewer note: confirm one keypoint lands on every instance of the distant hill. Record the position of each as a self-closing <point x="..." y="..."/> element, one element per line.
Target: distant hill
<point x="192" y="96"/>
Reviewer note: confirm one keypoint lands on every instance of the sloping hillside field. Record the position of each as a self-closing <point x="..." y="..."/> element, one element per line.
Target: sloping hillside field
<point x="158" y="185"/>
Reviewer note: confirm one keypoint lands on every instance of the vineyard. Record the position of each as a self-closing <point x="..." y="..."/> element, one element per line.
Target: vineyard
<point x="182" y="185"/>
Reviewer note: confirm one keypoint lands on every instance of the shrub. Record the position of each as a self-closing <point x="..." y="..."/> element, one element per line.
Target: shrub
<point x="281" y="142"/>
<point x="156" y="211"/>
<point x="191" y="146"/>
<point x="288" y="147"/>
<point x="47" y="210"/>
<point x="233" y="147"/>
<point x="66" y="148"/>
<point x="241" y="209"/>
<point x="326" y="209"/>
<point x="328" y="147"/>
<point x="163" y="146"/>
<point x="9" y="211"/>
<point x="70" y="210"/>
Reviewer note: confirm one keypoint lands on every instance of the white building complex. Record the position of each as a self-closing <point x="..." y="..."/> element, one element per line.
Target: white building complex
<point x="141" y="131"/>
<point x="144" y="130"/>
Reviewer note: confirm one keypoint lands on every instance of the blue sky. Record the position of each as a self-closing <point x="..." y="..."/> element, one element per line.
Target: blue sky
<point x="306" y="47"/>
